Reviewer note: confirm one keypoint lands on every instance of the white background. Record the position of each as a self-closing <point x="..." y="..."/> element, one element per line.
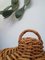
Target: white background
<point x="10" y="28"/>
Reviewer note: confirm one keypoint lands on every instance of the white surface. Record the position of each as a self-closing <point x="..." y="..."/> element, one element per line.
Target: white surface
<point x="34" y="18"/>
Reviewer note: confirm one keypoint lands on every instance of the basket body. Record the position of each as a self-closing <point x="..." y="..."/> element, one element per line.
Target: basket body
<point x="28" y="49"/>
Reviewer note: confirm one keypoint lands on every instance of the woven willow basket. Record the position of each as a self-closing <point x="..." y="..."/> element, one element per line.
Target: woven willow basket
<point x="28" y="49"/>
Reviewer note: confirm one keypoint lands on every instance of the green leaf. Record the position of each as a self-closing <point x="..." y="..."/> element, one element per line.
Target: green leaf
<point x="6" y="13"/>
<point x="20" y="12"/>
<point x="26" y="2"/>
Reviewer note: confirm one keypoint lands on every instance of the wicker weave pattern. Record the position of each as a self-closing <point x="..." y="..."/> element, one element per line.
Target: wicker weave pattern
<point x="18" y="55"/>
<point x="13" y="54"/>
<point x="28" y="49"/>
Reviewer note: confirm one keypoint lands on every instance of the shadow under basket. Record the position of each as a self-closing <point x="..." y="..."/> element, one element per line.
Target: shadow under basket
<point x="28" y="49"/>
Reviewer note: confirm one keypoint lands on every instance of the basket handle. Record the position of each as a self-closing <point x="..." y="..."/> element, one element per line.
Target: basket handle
<point x="30" y="30"/>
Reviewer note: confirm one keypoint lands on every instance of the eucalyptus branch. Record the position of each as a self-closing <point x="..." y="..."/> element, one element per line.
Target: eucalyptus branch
<point x="14" y="7"/>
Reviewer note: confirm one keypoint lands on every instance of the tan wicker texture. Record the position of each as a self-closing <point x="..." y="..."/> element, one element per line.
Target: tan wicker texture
<point x="28" y="49"/>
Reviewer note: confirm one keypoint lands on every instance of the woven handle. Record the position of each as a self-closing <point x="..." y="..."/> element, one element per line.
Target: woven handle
<point x="30" y="30"/>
